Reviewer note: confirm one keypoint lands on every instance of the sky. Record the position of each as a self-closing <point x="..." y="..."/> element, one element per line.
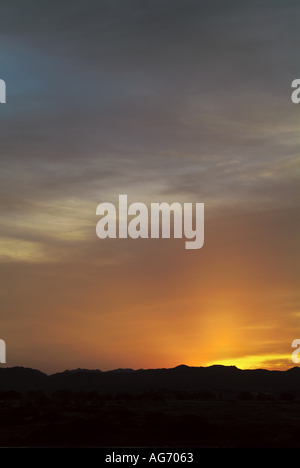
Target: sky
<point x="164" y="101"/>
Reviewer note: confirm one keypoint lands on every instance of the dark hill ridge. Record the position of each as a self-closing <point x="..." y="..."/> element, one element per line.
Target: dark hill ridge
<point x="190" y="379"/>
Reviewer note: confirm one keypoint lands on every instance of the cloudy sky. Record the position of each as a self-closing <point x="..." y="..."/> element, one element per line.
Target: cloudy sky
<point x="165" y="101"/>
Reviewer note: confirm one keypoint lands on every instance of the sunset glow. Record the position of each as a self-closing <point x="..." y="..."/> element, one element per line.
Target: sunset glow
<point x="163" y="103"/>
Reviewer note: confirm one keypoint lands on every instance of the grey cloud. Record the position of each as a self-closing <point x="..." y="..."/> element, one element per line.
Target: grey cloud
<point x="113" y="94"/>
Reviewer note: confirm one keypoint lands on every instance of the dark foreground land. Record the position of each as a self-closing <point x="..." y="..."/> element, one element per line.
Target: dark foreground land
<point x="65" y="417"/>
<point x="85" y="420"/>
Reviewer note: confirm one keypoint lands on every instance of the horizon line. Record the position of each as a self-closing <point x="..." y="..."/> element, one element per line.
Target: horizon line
<point x="129" y="369"/>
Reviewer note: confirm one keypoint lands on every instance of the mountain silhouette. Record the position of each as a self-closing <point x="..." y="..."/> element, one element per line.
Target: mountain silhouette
<point x="215" y="406"/>
<point x="216" y="378"/>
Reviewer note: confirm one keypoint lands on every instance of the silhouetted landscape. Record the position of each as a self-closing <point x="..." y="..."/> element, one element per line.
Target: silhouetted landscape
<point x="215" y="406"/>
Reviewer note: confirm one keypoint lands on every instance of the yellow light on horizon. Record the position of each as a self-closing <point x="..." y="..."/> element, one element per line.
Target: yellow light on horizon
<point x="267" y="361"/>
